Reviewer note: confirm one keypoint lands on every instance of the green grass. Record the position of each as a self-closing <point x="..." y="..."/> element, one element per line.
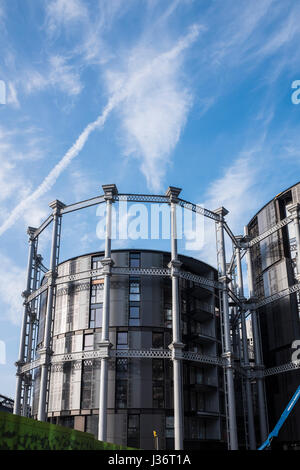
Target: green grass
<point x="19" y="433"/>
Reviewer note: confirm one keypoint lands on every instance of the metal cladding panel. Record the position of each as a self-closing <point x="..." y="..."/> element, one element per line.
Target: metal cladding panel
<point x="117" y="428"/>
<point x="146" y="379"/>
<point x="135" y="339"/>
<point x="151" y="302"/>
<point x="136" y="387"/>
<point x="120" y="258"/>
<point x="150" y="260"/>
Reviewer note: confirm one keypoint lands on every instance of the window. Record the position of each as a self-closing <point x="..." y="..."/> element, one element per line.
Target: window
<point x="134" y="314"/>
<point x="88" y="343"/>
<point x="121" y="383"/>
<point x="158" y="383"/>
<point x="122" y="368"/>
<point x="122" y="340"/>
<point x="133" y="431"/>
<point x="134" y="301"/>
<point x="158" y="394"/>
<point x="169" y="426"/>
<point x="86" y="384"/>
<point x="97" y="294"/>
<point x="96" y="316"/>
<point x="157" y="340"/>
<point x="121" y="393"/>
<point x="168" y="316"/>
<point x="134" y="260"/>
<point x="157" y="369"/>
<point x="96" y="262"/>
<point x="134" y="289"/>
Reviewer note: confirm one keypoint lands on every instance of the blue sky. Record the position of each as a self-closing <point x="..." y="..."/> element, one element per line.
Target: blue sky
<point x="194" y="94"/>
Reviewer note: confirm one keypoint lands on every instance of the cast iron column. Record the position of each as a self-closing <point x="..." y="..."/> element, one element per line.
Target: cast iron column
<point x="45" y="352"/>
<point x="251" y="427"/>
<point x="227" y="353"/>
<point x="20" y="362"/>
<point x="176" y="346"/>
<point x="109" y="191"/>
<point x="259" y="367"/>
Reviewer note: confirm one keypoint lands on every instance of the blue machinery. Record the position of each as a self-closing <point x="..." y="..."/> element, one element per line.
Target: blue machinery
<point x="281" y="420"/>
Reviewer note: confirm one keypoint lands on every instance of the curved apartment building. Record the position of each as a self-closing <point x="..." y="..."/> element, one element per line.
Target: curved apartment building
<point x="274" y="266"/>
<point x="140" y="389"/>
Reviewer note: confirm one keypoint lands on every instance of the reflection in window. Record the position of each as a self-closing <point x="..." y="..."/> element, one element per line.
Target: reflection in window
<point x="134" y="289"/>
<point x="122" y="340"/>
<point x="96" y="262"/>
<point x="134" y="260"/>
<point x="134" y="314"/>
<point x="168" y="316"/>
<point x="169" y="426"/>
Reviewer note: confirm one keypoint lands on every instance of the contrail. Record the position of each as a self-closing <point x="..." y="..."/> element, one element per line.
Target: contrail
<point x="120" y="95"/>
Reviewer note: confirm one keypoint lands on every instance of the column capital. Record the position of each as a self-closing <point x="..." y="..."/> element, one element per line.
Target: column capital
<point x="104" y="346"/>
<point x="31" y="232"/>
<point x="221" y="211"/>
<point x="225" y="279"/>
<point x="110" y="190"/>
<point x="175" y="265"/>
<point x="44" y="355"/>
<point x="242" y="241"/>
<point x="172" y="193"/>
<point x="107" y="264"/>
<point x="228" y="356"/>
<point x="56" y="206"/>
<point x="294" y="210"/>
<point x="176" y="348"/>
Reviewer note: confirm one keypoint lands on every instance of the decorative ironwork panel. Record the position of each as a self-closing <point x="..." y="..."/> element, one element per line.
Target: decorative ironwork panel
<point x="83" y="204"/>
<point x="37" y="292"/>
<point x="200" y="280"/>
<point x="198" y="209"/>
<point x="142" y="198"/>
<point x="281" y="369"/>
<point x="142" y="271"/>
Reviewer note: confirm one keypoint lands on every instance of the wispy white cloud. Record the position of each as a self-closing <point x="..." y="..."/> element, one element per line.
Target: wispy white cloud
<point x="61" y="13"/>
<point x="12" y="96"/>
<point x="12" y="283"/>
<point x="236" y="190"/>
<point x="18" y="146"/>
<point x="155" y="109"/>
<point x="123" y="90"/>
<point x="60" y="75"/>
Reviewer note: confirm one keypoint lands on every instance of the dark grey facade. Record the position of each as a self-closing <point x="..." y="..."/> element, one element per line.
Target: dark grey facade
<point x="140" y="390"/>
<point x="274" y="267"/>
